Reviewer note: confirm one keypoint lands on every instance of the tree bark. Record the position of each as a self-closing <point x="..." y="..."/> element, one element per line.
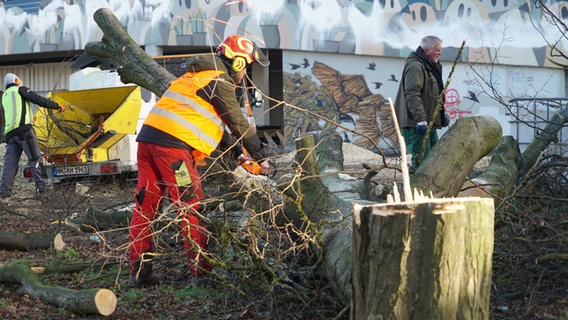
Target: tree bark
<point x="451" y="160"/>
<point x="543" y="139"/>
<point x="99" y="220"/>
<point x="326" y="200"/>
<point x="429" y="260"/>
<point x="88" y="301"/>
<point x="500" y="176"/>
<point x="23" y="241"/>
<point x="58" y="267"/>
<point x="136" y="66"/>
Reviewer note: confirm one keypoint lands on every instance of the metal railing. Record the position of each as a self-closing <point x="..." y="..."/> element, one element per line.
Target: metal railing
<point x="529" y="116"/>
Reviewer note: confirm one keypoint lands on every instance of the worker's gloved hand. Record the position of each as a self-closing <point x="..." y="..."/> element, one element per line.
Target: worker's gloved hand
<point x="421" y="127"/>
<point x="265" y="167"/>
<point x="242" y="159"/>
<point x="61" y="108"/>
<point x="446" y="120"/>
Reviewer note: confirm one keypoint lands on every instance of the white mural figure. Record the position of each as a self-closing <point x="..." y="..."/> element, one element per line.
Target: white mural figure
<point x="549" y="31"/>
<point x="371" y="30"/>
<point x="318" y="23"/>
<point x="4" y="33"/>
<point x="16" y="40"/>
<point x="268" y="16"/>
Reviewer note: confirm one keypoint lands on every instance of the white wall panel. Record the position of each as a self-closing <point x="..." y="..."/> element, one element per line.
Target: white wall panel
<point x="41" y="78"/>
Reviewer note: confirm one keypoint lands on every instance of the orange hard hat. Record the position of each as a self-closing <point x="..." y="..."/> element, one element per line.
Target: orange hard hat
<point x="242" y="52"/>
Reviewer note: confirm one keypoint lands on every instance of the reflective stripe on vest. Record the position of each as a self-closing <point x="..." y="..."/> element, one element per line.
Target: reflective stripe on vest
<point x="12" y="104"/>
<point x="186" y="116"/>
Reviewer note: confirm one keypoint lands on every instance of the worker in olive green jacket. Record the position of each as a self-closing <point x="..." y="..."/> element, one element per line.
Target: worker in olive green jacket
<point x="419" y="90"/>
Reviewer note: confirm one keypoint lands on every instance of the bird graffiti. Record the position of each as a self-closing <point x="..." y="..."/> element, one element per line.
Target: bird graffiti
<point x="472" y="96"/>
<point x="371" y="66"/>
<point x="304" y="65"/>
<point x="294" y="66"/>
<point x="392" y="78"/>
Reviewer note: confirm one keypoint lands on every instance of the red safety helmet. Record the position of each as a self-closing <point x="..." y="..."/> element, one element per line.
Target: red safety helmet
<point x="242" y="52"/>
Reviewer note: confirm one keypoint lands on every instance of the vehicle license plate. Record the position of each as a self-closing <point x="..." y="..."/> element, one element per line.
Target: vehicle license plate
<point x="70" y="171"/>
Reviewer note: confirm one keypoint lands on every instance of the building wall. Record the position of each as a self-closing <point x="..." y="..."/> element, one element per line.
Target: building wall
<point x="505" y="44"/>
<point x="473" y="89"/>
<point x="502" y="31"/>
<point x="41" y="78"/>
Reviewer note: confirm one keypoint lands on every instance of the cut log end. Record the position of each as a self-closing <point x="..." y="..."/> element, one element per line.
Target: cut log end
<point x="58" y="243"/>
<point x="105" y="301"/>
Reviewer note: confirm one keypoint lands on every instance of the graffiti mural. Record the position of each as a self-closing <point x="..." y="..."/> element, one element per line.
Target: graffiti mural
<point x="341" y="59"/>
<point x="498" y="29"/>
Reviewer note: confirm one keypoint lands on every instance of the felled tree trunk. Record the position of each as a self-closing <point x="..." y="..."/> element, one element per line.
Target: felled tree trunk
<point x="508" y="164"/>
<point x="500" y="176"/>
<point x="452" y="159"/>
<point x="23" y="241"/>
<point x="543" y="139"/>
<point x="325" y="200"/>
<point x="89" y="301"/>
<point x="424" y="260"/>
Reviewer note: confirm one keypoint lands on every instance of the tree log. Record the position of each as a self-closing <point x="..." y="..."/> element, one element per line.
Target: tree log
<point x="429" y="260"/>
<point x="88" y="301"/>
<point x="327" y="200"/>
<point x="23" y="241"/>
<point x="500" y="176"/>
<point x="543" y="139"/>
<point x="452" y="159"/>
<point x="58" y="267"/>
<point x="136" y="66"/>
<point x="99" y="220"/>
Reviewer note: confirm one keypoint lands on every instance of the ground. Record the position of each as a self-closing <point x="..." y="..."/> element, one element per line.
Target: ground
<point x="525" y="286"/>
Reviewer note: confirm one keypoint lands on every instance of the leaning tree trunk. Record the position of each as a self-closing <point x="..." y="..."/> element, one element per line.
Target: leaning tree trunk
<point x="452" y="159"/>
<point x="500" y="176"/>
<point x="89" y="301"/>
<point x="543" y="139"/>
<point x="136" y="66"/>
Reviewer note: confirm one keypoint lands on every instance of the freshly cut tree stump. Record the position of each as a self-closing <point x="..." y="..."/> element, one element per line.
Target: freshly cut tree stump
<point x="23" y="241"/>
<point x="427" y="259"/>
<point x="88" y="301"/>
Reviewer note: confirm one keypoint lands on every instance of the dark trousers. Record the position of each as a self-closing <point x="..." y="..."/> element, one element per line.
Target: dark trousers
<point x="27" y="143"/>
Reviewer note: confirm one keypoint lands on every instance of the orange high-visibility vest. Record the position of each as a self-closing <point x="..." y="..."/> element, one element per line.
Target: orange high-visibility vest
<point x="186" y="116"/>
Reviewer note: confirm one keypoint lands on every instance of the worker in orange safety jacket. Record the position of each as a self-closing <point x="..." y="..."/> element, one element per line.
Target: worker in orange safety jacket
<point x="186" y="123"/>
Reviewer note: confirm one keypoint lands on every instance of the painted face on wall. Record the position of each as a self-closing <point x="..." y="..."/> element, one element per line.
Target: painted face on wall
<point x="434" y="53"/>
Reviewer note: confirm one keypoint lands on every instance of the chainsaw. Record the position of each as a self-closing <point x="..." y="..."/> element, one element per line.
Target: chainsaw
<point x="249" y="165"/>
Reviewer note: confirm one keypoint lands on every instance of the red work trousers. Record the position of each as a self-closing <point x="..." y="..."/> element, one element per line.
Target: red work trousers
<point x="162" y="169"/>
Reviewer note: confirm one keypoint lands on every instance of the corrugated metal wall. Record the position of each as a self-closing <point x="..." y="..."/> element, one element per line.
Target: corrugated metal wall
<point x="41" y="78"/>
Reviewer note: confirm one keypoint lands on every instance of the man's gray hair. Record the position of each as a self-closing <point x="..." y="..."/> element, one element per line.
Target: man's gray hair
<point x="428" y="42"/>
